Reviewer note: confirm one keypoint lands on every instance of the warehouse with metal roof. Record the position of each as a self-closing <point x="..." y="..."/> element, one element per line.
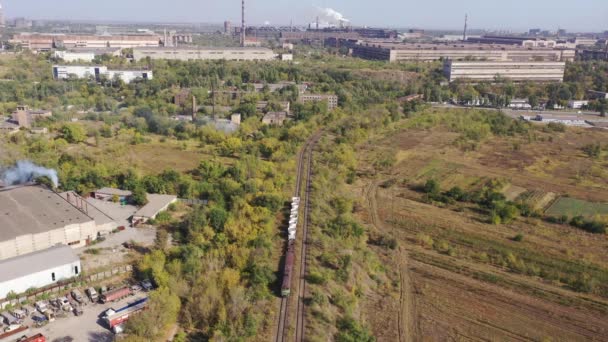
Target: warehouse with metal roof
<point x="34" y="218"/>
<point x="38" y="269"/>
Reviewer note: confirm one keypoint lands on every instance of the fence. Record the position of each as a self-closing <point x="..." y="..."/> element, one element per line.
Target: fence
<point x="61" y="286"/>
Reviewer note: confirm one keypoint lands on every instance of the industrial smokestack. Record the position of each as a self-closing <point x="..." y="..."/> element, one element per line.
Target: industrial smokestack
<point x="25" y="171"/>
<point x="243" y="23"/>
<point x="464" y="34"/>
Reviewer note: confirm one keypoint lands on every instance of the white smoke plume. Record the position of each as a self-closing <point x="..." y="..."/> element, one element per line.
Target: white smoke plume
<point x="331" y="16"/>
<point x="25" y="171"/>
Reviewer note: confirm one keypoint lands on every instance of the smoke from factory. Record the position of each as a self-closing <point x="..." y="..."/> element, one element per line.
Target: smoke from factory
<point x="25" y="171"/>
<point x="329" y="17"/>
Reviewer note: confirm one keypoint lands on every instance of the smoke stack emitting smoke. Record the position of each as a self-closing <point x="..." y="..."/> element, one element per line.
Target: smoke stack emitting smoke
<point x="331" y="16"/>
<point x="25" y="171"/>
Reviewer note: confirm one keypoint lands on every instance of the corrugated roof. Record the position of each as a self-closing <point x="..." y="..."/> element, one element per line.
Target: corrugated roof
<point x="35" y="209"/>
<point x="26" y="264"/>
<point x="155" y="204"/>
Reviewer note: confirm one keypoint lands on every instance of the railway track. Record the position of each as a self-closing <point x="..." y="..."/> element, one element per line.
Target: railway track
<point x="304" y="167"/>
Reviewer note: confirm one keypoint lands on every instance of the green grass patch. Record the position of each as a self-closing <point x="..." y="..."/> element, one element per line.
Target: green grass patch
<point x="574" y="207"/>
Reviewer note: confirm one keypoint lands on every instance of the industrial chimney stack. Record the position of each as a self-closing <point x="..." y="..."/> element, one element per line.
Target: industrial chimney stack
<point x="243" y="23"/>
<point x="464" y="34"/>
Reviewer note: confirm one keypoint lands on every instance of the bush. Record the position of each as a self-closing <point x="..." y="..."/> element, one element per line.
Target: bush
<point x="351" y="331"/>
<point x="591" y="226"/>
<point x="518" y="238"/>
<point x="316" y="278"/>
<point x="431" y="187"/>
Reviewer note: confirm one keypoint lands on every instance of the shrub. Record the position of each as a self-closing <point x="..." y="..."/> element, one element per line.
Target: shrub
<point x="431" y="187"/>
<point x="518" y="238"/>
<point x="351" y="331"/>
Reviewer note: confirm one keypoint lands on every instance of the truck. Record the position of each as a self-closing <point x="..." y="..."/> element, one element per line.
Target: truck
<point x="115" y="318"/>
<point x="92" y="294"/>
<point x="35" y="338"/>
<point x="115" y="295"/>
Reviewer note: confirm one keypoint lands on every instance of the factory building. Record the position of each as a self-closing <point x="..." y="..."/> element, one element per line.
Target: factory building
<point x="186" y="54"/>
<point x="515" y="71"/>
<point x="84" y="54"/>
<point x="396" y="52"/>
<point x="332" y="100"/>
<point x="44" y="41"/>
<point x="38" y="269"/>
<point x="63" y="72"/>
<point x="526" y="42"/>
<point x="317" y="35"/>
<point x="34" y="218"/>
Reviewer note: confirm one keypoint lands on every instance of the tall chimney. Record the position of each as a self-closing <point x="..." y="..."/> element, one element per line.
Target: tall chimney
<point x="464" y="34"/>
<point x="243" y="23"/>
<point x="317" y="23"/>
<point x="194" y="109"/>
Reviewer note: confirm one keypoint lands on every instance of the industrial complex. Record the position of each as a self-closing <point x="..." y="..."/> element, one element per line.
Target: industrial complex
<point x="40" y="228"/>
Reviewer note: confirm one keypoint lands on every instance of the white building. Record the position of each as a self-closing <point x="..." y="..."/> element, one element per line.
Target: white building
<point x="574" y="104"/>
<point x="62" y="72"/>
<point x="129" y="76"/>
<point x="33" y="218"/>
<point x="85" y="54"/>
<point x="38" y="269"/>
<point x="519" y="104"/>
<point x="186" y="54"/>
<point x="515" y="71"/>
<point x="69" y="56"/>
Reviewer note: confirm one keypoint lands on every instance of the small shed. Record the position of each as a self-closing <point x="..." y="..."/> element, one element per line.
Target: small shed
<point x="156" y="205"/>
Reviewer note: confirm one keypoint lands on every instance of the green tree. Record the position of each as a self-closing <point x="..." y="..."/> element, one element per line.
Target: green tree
<point x="73" y="133"/>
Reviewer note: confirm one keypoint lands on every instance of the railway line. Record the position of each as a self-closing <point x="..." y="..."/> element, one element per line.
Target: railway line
<point x="303" y="175"/>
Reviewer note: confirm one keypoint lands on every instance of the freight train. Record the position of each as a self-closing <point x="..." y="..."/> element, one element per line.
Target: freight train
<point x="290" y="256"/>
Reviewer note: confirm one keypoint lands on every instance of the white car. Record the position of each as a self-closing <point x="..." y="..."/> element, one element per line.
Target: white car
<point x="41" y="307"/>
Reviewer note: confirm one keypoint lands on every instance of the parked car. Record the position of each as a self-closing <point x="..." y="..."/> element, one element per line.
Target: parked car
<point x="78" y="310"/>
<point x="42" y="306"/>
<point x="64" y="304"/>
<point x="146" y="285"/>
<point x="77" y="296"/>
<point x="19" y="313"/>
<point x="136" y="288"/>
<point x="92" y="294"/>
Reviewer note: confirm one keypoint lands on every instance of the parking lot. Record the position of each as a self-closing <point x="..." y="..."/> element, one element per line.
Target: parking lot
<point x="87" y="327"/>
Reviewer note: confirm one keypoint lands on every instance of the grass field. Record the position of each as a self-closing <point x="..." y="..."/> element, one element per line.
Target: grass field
<point x="575" y="207"/>
<point x="472" y="280"/>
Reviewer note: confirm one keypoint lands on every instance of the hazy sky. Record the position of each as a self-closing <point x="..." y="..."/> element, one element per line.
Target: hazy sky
<point x="573" y="15"/>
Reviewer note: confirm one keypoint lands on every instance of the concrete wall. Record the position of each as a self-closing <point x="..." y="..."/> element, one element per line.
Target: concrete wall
<point x="40" y="279"/>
